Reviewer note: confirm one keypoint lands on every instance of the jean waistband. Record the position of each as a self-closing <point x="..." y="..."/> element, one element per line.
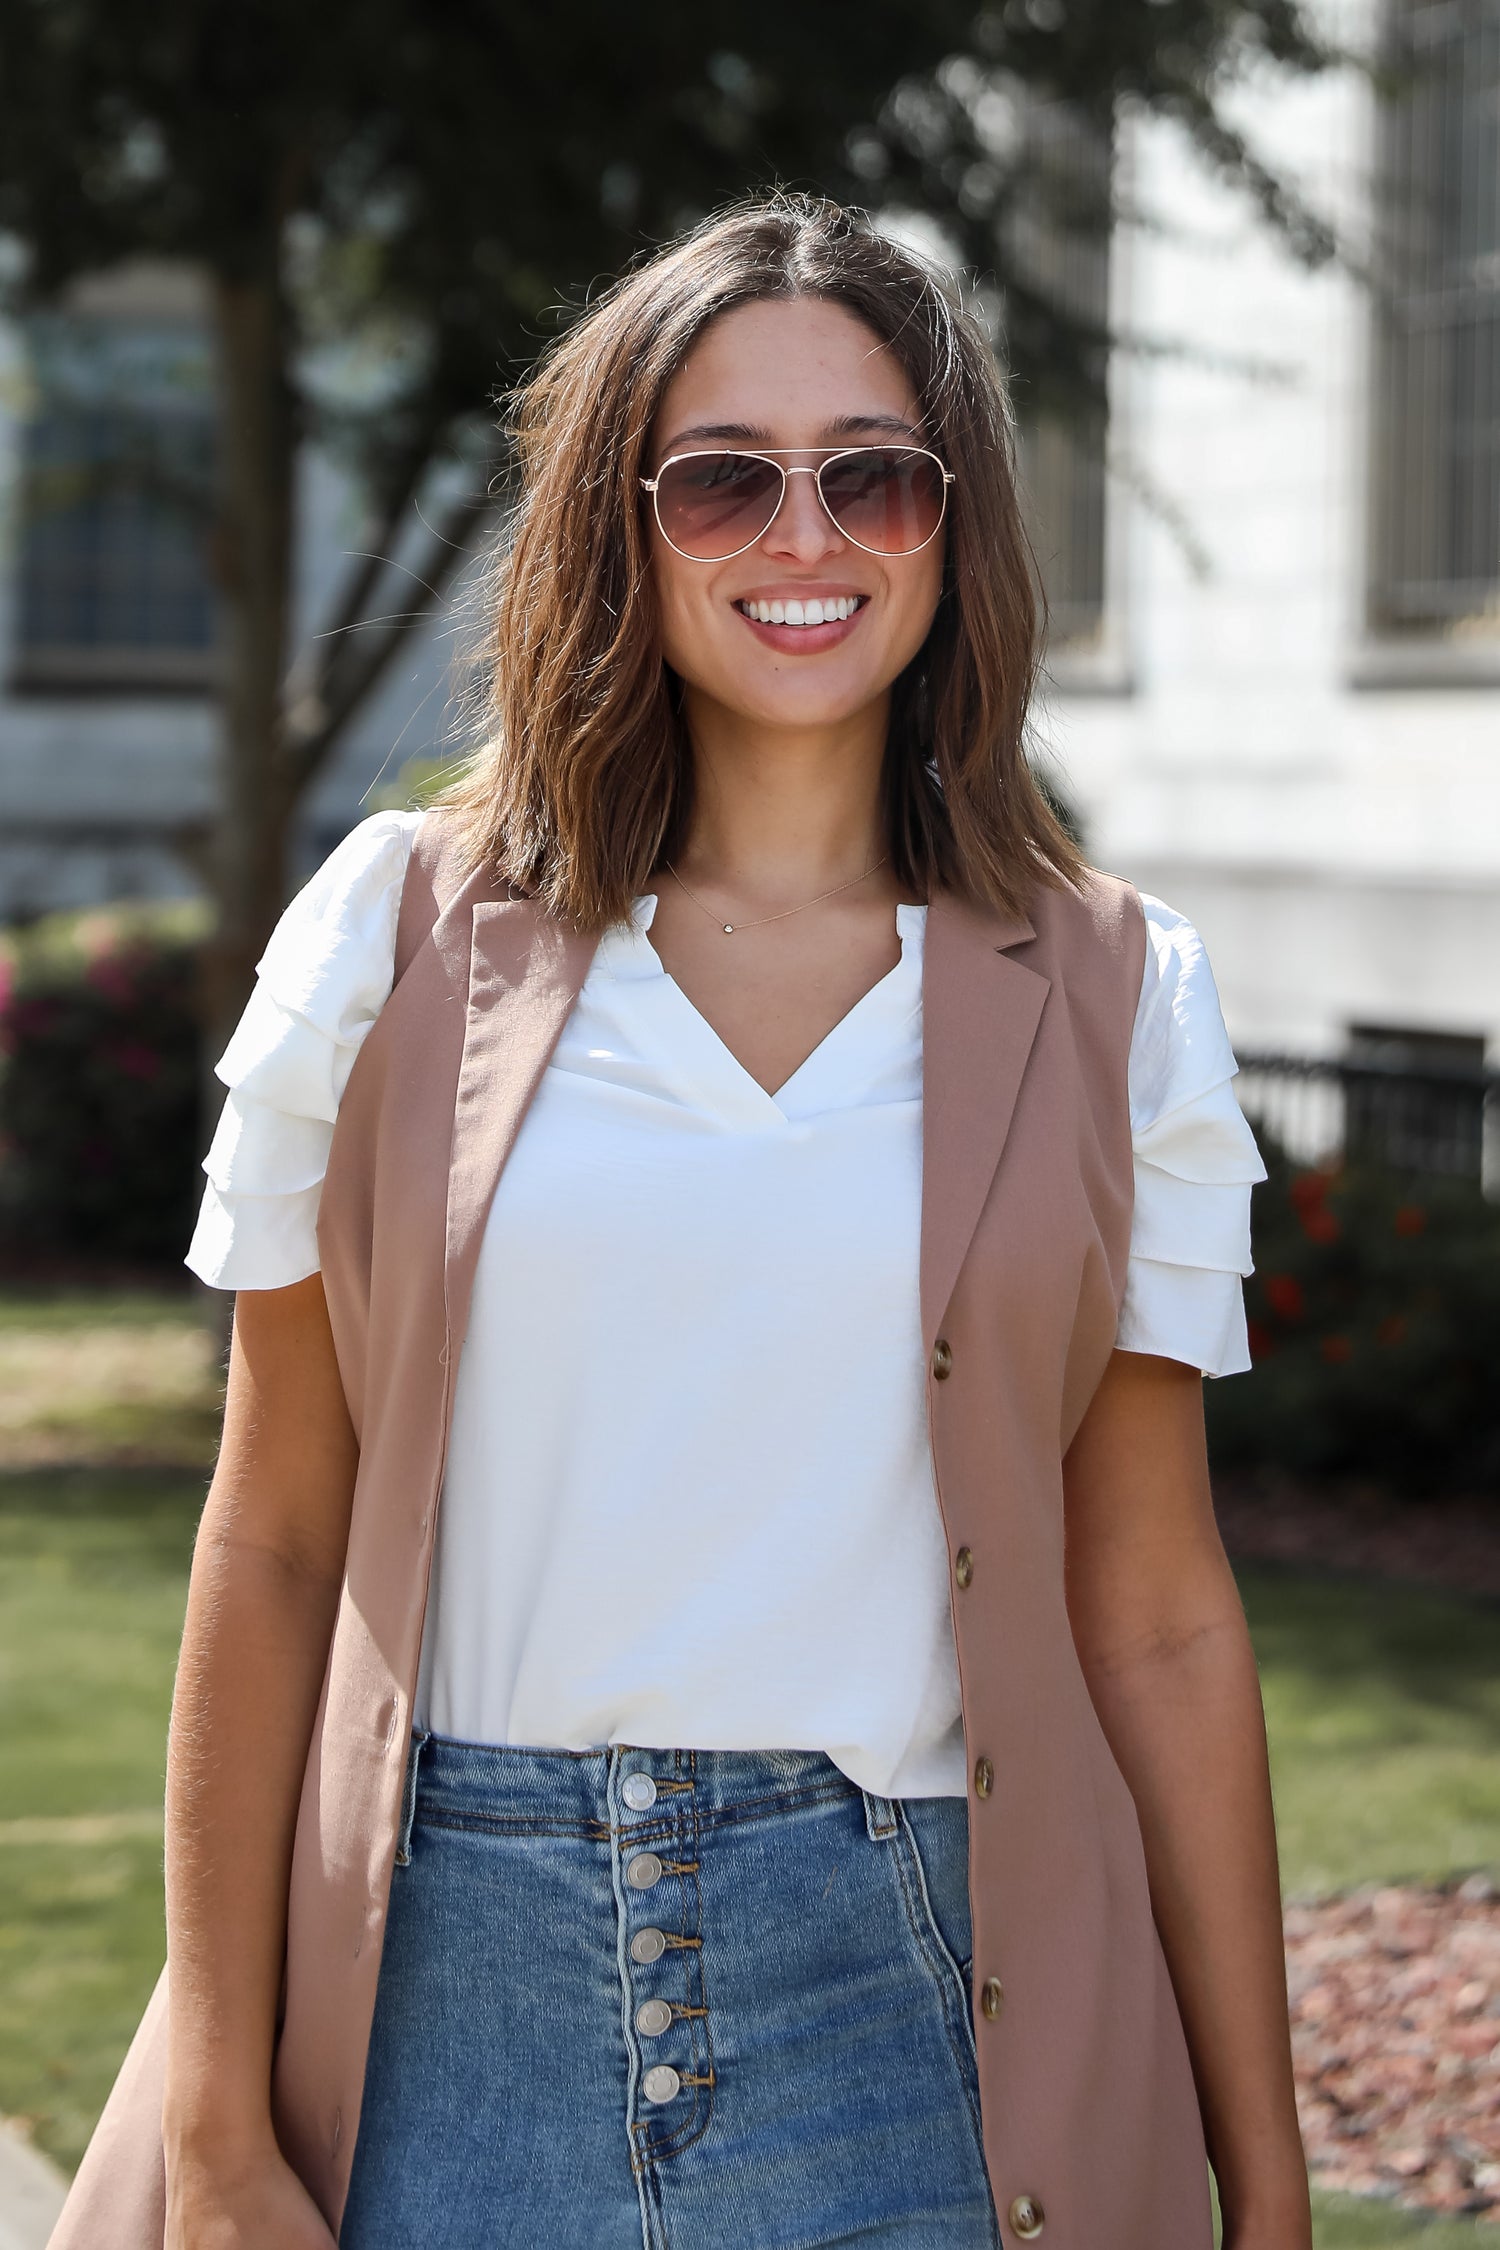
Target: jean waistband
<point x="517" y="1786"/>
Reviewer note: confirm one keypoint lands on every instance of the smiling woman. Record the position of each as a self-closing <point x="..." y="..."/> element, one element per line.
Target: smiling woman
<point x="712" y="1707"/>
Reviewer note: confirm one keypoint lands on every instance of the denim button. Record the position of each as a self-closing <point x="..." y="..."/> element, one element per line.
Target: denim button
<point x="639" y="1791"/>
<point x="652" y="2017"/>
<point x="647" y="1945"/>
<point x="644" y="1870"/>
<point x="660" y="2082"/>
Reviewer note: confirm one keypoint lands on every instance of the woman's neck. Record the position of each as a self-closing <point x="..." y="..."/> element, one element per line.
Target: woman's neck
<point x="781" y="812"/>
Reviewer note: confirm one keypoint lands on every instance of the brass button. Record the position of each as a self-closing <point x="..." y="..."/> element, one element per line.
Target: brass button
<point x="963" y="1566"/>
<point x="1027" y="2217"/>
<point x="991" y="1996"/>
<point x="984" y="1777"/>
<point x="942" y="1360"/>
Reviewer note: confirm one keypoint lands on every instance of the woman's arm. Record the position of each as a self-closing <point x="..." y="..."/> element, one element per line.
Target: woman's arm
<point x="265" y="1582"/>
<point x="1162" y="1639"/>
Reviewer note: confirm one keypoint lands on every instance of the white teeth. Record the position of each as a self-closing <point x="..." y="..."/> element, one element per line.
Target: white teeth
<point x="811" y="612"/>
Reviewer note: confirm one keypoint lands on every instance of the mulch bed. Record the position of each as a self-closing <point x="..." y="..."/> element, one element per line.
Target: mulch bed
<point x="1395" y="1991"/>
<point x="1395" y="1998"/>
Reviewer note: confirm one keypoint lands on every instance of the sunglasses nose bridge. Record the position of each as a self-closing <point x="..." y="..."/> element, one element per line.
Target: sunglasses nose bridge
<point x="829" y="520"/>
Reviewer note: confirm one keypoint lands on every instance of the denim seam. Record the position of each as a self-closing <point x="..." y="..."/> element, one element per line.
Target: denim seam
<point x="936" y="1958"/>
<point x="419" y="1742"/>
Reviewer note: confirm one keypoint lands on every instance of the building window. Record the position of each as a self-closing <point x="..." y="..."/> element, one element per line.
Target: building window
<point x="1435" y="489"/>
<point x="114" y="589"/>
<point x="1060" y="243"/>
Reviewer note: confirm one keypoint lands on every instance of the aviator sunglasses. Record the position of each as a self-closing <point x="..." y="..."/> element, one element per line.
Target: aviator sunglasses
<point x="888" y="499"/>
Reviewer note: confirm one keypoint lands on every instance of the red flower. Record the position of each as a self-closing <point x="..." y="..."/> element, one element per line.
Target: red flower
<point x="1410" y="1219"/>
<point x="1320" y="1225"/>
<point x="1262" y="1342"/>
<point x="1392" y="1329"/>
<point x="1283" y="1292"/>
<point x="1336" y="1350"/>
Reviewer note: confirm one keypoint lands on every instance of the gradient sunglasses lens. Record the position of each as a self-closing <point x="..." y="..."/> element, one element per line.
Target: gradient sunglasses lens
<point x="711" y="505"/>
<point x="888" y="499"/>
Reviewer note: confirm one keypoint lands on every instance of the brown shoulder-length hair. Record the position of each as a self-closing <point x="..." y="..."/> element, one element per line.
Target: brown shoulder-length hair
<point x="583" y="787"/>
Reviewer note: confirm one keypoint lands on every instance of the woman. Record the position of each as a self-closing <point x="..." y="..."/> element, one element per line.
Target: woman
<point x="786" y="1203"/>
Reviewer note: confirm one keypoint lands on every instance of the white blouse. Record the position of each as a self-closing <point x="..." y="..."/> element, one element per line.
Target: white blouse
<point x="692" y="1543"/>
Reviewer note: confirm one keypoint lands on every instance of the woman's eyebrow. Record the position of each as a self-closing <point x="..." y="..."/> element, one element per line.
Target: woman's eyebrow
<point x="747" y="433"/>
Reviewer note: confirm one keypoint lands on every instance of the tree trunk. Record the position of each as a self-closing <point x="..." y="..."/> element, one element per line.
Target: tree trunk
<point x="255" y="799"/>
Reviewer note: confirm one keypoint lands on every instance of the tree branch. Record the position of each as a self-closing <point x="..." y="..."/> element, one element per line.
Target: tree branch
<point x="319" y="716"/>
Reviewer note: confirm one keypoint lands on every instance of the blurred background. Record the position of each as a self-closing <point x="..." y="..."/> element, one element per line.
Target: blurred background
<point x="264" y="273"/>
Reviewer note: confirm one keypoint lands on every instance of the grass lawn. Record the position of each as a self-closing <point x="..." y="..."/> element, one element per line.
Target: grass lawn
<point x="1383" y="1709"/>
<point x="1383" y="1705"/>
<point x="92" y="1576"/>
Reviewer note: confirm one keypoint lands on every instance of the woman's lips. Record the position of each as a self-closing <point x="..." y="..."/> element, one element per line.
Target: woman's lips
<point x="807" y="638"/>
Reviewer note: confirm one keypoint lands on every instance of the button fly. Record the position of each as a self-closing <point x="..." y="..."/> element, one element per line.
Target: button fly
<point x="652" y="2017"/>
<point x="647" y="1945"/>
<point x="992" y="1997"/>
<point x="984" y="1777"/>
<point x="660" y="2083"/>
<point x="1027" y="2217"/>
<point x="963" y="1566"/>
<point x="644" y="1870"/>
<point x="942" y="1359"/>
<point x="639" y="1791"/>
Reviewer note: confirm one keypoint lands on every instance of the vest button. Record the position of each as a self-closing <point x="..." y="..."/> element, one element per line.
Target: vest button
<point x="984" y="1777"/>
<point x="1027" y="2217"/>
<point x="991" y="1997"/>
<point x="942" y="1360"/>
<point x="963" y="1566"/>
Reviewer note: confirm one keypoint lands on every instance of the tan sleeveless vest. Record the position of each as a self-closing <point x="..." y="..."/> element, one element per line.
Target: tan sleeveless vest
<point x="1090" y="2120"/>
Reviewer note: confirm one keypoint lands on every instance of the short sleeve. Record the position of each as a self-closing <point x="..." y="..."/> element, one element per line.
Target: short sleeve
<point x="321" y="982"/>
<point x="1196" y="1161"/>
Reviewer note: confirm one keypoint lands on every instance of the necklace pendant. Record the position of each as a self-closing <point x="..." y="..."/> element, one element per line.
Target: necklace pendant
<point x="729" y="929"/>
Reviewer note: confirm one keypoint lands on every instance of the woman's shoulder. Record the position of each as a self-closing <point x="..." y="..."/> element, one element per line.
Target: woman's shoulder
<point x="339" y="931"/>
<point x="327" y="968"/>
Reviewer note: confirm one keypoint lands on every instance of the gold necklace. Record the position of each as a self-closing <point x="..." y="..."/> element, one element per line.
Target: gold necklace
<point x="729" y="928"/>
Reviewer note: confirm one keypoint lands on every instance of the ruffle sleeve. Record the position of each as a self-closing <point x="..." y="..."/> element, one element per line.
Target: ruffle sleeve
<point x="321" y="982"/>
<point x="1196" y="1161"/>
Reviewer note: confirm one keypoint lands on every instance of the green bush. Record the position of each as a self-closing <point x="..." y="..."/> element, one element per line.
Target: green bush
<point x="99" y="1116"/>
<point x="1374" y="1318"/>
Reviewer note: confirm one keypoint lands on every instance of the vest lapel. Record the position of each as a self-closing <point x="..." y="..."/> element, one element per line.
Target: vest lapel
<point x="980" y="1013"/>
<point x="524" y="971"/>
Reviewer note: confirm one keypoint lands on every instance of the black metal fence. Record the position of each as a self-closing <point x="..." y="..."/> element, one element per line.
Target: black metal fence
<point x="1441" y="1118"/>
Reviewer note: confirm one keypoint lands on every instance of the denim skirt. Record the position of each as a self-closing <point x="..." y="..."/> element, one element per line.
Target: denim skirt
<point x="641" y="1999"/>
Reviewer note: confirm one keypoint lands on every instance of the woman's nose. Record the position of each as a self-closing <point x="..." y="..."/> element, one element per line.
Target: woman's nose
<point x="803" y="528"/>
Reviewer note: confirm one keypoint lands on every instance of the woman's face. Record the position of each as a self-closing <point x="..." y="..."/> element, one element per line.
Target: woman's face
<point x="800" y="374"/>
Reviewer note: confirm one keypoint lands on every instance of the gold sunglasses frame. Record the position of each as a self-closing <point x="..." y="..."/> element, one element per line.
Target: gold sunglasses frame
<point x="770" y="454"/>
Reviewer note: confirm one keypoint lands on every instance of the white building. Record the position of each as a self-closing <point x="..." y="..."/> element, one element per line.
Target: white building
<point x="1287" y="721"/>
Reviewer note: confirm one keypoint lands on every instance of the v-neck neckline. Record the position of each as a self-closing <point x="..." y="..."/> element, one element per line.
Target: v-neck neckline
<point x="628" y="947"/>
